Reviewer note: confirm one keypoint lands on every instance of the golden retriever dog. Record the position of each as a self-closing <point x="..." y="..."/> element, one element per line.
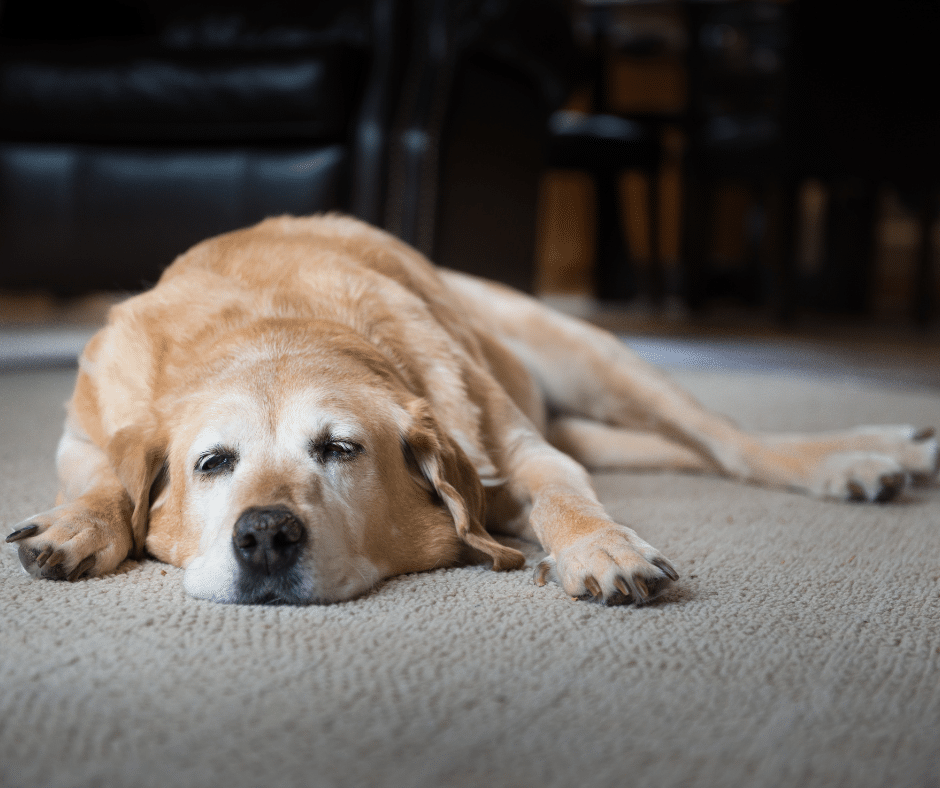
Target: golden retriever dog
<point x="305" y="407"/>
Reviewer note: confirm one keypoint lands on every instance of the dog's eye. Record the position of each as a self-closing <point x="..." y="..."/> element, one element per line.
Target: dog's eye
<point x="333" y="450"/>
<point x="215" y="461"/>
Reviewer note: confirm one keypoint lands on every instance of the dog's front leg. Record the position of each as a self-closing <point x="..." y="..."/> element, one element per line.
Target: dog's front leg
<point x="589" y="554"/>
<point x="89" y="532"/>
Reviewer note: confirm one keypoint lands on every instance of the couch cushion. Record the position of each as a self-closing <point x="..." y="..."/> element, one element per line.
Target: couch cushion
<point x="115" y="95"/>
<point x="83" y="217"/>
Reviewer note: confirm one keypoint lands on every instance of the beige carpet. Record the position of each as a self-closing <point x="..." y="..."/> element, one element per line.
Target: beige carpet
<point x="802" y="647"/>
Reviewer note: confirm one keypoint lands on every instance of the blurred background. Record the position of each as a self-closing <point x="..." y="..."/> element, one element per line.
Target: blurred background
<point x="753" y="179"/>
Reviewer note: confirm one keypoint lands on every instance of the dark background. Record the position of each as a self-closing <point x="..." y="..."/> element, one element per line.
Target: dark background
<point x="131" y="130"/>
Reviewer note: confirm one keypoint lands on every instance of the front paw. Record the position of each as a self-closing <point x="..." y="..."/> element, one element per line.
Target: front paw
<point x="612" y="564"/>
<point x="68" y="543"/>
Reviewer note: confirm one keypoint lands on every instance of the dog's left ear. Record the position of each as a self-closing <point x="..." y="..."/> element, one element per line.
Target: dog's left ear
<point x="451" y="475"/>
<point x="138" y="454"/>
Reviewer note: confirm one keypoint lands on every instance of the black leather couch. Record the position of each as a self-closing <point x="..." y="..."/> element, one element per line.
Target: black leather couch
<point x="131" y="130"/>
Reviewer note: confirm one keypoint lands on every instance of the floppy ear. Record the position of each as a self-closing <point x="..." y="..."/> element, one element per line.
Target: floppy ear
<point x="138" y="454"/>
<point x="449" y="472"/>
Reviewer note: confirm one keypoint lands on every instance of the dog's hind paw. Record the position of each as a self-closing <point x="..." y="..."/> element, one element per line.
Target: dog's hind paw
<point x="861" y="477"/>
<point x="926" y="446"/>
<point x="68" y="543"/>
<point x="612" y="565"/>
<point x="866" y="464"/>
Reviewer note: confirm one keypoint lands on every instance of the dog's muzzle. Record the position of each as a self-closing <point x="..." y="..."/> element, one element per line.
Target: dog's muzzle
<point x="268" y="540"/>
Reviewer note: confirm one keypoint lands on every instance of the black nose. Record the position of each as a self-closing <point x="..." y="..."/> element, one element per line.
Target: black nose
<point x="268" y="541"/>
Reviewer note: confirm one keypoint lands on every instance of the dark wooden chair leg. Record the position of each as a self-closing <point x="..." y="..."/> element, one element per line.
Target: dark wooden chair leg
<point x="614" y="275"/>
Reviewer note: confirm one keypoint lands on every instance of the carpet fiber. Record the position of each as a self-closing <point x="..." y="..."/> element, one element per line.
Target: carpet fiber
<point x="801" y="647"/>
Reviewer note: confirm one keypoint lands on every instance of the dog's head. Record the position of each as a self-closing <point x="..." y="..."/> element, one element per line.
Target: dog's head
<point x="302" y="474"/>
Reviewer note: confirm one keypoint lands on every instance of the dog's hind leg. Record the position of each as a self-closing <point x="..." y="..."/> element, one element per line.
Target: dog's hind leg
<point x="599" y="446"/>
<point x="586" y="372"/>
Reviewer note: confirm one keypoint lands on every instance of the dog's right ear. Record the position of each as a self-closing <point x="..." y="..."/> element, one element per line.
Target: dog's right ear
<point x="138" y="455"/>
<point x="447" y="471"/>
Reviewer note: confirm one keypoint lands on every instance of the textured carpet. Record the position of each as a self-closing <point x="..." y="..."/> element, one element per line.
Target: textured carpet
<point x="801" y="648"/>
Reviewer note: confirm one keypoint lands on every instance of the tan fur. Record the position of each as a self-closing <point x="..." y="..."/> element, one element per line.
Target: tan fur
<point x="257" y="344"/>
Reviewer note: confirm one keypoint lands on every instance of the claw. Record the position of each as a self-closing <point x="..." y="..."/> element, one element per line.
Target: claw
<point x="593" y="587"/>
<point x="666" y="568"/>
<point x="55" y="559"/>
<point x="22" y="533"/>
<point x="856" y="491"/>
<point x="49" y="572"/>
<point x="85" y="565"/>
<point x="640" y="592"/>
<point x="621" y="586"/>
<point x="43" y="557"/>
<point x="891" y="485"/>
<point x="541" y="572"/>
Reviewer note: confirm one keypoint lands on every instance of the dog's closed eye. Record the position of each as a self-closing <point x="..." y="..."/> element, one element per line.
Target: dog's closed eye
<point x="216" y="460"/>
<point x="331" y="449"/>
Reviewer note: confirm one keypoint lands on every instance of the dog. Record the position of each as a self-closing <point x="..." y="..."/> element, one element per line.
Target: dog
<point x="303" y="408"/>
